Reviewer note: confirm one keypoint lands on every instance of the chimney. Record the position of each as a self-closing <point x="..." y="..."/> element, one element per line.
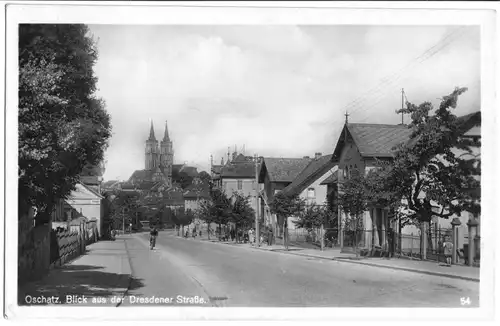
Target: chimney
<point x="317" y="155"/>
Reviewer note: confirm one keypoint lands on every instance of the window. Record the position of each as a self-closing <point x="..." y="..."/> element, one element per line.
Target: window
<point x="240" y="184"/>
<point x="311" y="193"/>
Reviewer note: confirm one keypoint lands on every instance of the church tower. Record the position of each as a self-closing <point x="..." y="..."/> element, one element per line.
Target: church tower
<point x="166" y="156"/>
<point x="151" y="150"/>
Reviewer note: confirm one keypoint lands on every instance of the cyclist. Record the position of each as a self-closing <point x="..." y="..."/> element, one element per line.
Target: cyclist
<point x="152" y="237"/>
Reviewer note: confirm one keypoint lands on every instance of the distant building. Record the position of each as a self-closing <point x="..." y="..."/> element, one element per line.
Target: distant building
<point x="159" y="158"/>
<point x="308" y="185"/>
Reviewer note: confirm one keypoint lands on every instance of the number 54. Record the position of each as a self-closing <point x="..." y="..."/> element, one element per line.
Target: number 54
<point x="465" y="301"/>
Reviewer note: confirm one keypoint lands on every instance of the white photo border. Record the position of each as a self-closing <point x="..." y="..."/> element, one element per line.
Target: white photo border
<point x="245" y="13"/>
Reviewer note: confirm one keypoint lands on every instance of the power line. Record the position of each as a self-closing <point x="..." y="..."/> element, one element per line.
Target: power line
<point x="386" y="79"/>
<point x="430" y="52"/>
<point x="381" y="98"/>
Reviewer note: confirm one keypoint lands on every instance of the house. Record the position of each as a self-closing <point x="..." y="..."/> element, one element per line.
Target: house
<point x="83" y="201"/>
<point x="308" y="185"/>
<point x="275" y="174"/>
<point x="358" y="146"/>
<point x="91" y="176"/>
<point x="193" y="196"/>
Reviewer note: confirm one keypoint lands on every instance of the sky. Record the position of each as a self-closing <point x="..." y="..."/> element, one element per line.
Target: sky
<point x="277" y="91"/>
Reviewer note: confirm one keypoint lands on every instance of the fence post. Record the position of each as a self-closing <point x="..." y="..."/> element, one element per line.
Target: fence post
<point x="411" y="247"/>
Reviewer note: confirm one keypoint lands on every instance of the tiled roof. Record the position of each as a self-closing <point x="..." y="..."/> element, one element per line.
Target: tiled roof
<point x="331" y="179"/>
<point x="242" y="159"/>
<point x="373" y="140"/>
<point x="109" y="183"/>
<point x="284" y="169"/>
<point x="142" y="174"/>
<point x="197" y="192"/>
<point x="314" y="170"/>
<point x="240" y="170"/>
<point x="146" y="185"/>
<point x="173" y="197"/>
<point x="190" y="170"/>
<point x="127" y="185"/>
<point x="216" y="168"/>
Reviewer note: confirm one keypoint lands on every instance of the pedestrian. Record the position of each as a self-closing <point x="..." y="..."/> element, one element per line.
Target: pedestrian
<point x="270" y="236"/>
<point x="448" y="250"/>
<point x="390" y="242"/>
<point x="251" y="236"/>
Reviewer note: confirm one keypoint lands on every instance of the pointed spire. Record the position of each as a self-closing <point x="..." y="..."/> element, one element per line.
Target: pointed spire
<point x="165" y="136"/>
<point x="152" y="132"/>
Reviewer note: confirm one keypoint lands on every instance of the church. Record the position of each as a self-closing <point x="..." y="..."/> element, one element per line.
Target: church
<point x="159" y="163"/>
<point x="159" y="160"/>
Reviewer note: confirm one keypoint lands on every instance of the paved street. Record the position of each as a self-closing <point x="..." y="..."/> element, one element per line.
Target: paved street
<point x="225" y="275"/>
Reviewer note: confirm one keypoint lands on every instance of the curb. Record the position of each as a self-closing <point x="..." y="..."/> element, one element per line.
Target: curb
<point x="124" y="292"/>
<point x="355" y="261"/>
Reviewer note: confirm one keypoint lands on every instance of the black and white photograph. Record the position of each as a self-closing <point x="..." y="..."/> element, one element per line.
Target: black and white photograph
<point x="248" y="157"/>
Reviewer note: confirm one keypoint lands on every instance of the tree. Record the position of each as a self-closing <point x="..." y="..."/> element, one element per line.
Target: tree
<point x="63" y="126"/>
<point x="428" y="171"/>
<point x="216" y="209"/>
<point x="204" y="177"/>
<point x="316" y="217"/>
<point x="242" y="213"/>
<point x="354" y="201"/>
<point x="285" y="206"/>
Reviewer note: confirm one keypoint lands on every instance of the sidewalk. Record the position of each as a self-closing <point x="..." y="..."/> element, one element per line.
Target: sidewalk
<point x="416" y="266"/>
<point x="103" y="272"/>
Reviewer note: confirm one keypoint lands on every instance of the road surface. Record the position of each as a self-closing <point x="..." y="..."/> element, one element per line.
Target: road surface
<point x="199" y="273"/>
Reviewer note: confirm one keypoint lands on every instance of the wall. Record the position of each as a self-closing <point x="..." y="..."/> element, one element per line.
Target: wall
<point x="350" y="157"/>
<point x="33" y="247"/>
<point x="247" y="189"/>
<point x="89" y="210"/>
<point x="320" y="190"/>
<point x="191" y="204"/>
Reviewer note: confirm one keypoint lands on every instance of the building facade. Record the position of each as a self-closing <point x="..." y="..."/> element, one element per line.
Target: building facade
<point x="159" y="159"/>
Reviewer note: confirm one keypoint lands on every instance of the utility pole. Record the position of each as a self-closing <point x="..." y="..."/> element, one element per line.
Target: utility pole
<point x="123" y="219"/>
<point x="257" y="233"/>
<point x="402" y="105"/>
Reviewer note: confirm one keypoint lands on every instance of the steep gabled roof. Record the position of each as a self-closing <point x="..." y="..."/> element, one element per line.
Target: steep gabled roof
<point x="282" y="169"/>
<point x="142" y="175"/>
<point x="109" y="183"/>
<point x="373" y="140"/>
<point x="240" y="170"/>
<point x="190" y="170"/>
<point x="201" y="191"/>
<point x="314" y="170"/>
<point x="242" y="159"/>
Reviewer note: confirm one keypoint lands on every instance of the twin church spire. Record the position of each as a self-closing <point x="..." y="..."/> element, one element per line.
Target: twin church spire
<point x="159" y="159"/>
<point x="152" y="133"/>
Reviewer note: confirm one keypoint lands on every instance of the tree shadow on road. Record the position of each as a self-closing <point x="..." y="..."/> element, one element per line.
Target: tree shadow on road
<point x="77" y="280"/>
